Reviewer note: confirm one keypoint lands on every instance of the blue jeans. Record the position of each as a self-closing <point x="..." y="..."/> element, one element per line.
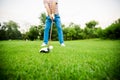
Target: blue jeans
<point x="47" y="28"/>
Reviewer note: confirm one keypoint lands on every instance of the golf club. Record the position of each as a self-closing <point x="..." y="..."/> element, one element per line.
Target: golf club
<point x="47" y="49"/>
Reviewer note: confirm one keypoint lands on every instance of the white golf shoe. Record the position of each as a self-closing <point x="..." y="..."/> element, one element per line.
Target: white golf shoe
<point x="63" y="45"/>
<point x="43" y="44"/>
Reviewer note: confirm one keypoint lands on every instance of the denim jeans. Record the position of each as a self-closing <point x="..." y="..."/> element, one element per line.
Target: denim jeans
<point x="48" y="26"/>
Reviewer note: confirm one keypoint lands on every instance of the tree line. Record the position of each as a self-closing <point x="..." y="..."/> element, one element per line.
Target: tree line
<point x="10" y="30"/>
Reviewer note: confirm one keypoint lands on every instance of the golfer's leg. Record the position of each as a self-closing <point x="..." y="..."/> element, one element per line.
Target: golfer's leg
<point x="59" y="28"/>
<point x="47" y="28"/>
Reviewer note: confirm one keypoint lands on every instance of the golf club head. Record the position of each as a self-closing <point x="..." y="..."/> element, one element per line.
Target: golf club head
<point x="44" y="50"/>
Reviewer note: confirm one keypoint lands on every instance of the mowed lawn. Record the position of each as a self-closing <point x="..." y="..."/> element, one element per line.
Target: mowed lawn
<point x="91" y="59"/>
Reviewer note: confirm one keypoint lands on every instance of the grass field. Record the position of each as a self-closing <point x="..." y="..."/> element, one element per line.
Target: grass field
<point x="92" y="59"/>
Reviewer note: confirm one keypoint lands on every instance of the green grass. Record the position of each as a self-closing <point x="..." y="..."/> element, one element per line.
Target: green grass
<point x="92" y="59"/>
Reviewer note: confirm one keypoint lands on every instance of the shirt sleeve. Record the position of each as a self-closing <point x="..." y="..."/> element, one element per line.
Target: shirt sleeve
<point x="56" y="1"/>
<point x="45" y="2"/>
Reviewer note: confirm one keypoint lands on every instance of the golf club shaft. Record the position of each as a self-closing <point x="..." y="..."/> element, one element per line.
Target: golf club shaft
<point x="50" y="33"/>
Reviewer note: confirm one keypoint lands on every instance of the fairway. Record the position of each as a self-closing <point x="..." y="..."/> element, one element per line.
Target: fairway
<point x="92" y="59"/>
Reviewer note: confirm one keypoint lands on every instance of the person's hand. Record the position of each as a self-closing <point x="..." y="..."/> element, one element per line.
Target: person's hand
<point x="52" y="16"/>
